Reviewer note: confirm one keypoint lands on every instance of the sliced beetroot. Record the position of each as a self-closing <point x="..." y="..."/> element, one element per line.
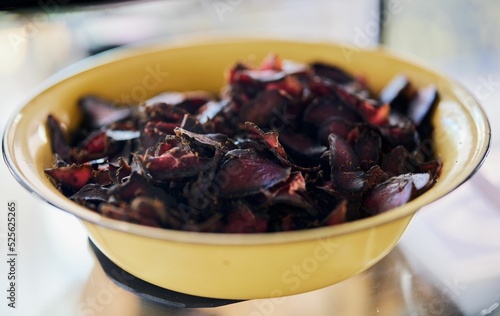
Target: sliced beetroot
<point x="342" y="156"/>
<point x="367" y="147"/>
<point x="247" y="172"/>
<point x="57" y="140"/>
<point x="74" y="176"/>
<point x="266" y="106"/>
<point x="98" y="112"/>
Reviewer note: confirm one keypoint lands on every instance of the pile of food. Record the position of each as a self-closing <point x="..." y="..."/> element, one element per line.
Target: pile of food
<point x="286" y="146"/>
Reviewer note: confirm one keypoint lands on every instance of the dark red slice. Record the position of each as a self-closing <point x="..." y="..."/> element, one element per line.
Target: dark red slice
<point x="267" y="106"/>
<point x="91" y="193"/>
<point x="96" y="143"/>
<point x="349" y="182"/>
<point x="133" y="186"/>
<point x="421" y="106"/>
<point x="102" y="177"/>
<point x="248" y="172"/>
<point x="326" y="107"/>
<point x="400" y="131"/>
<point x="373" y="111"/>
<point x="57" y="140"/>
<point x="335" y="125"/>
<point x="165" y="112"/>
<point x="342" y="156"/>
<point x="367" y="147"/>
<point x="394" y="192"/>
<point x="289" y="84"/>
<point x="74" y="176"/>
<point x="270" y="139"/>
<point x="149" y="211"/>
<point x="98" y="112"/>
<point x="398" y="93"/>
<point x="338" y="215"/>
<point x="397" y="162"/>
<point x="303" y="149"/>
<point x="243" y="220"/>
<point x="331" y="72"/>
<point x="176" y="163"/>
<point x="190" y="101"/>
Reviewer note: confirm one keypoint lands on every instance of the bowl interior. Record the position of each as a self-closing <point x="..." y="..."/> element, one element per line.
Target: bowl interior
<point x="461" y="134"/>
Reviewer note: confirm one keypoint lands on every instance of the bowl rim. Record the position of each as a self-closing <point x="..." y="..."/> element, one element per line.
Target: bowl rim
<point x="137" y="50"/>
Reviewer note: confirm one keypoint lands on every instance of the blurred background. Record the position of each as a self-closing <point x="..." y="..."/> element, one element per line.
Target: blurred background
<point x="447" y="263"/>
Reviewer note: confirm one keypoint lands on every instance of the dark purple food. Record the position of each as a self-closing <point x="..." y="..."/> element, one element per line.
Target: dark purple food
<point x="287" y="146"/>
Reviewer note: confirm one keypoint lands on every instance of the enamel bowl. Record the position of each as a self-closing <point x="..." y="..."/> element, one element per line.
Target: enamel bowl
<point x="237" y="266"/>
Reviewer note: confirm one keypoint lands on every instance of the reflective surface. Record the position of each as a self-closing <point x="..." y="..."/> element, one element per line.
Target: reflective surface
<point x="447" y="260"/>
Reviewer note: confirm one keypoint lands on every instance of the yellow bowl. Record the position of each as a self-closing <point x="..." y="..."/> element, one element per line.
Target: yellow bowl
<point x="238" y="266"/>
